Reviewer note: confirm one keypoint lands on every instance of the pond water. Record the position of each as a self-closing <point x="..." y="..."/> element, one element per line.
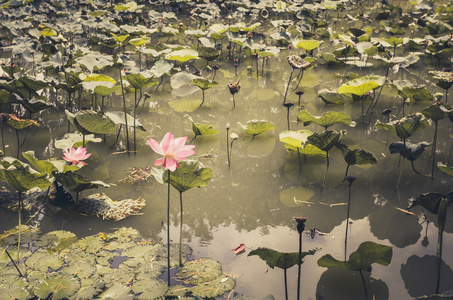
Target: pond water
<point x="255" y="200"/>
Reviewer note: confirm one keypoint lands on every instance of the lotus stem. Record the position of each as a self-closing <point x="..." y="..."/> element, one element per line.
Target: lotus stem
<point x="446" y="96"/>
<point x="417" y="172"/>
<point x="18" y="143"/>
<point x="26" y="134"/>
<point x="102" y="104"/>
<point x="287" y="117"/>
<point x="168" y="230"/>
<point x="286" y="284"/>
<point x="448" y="162"/>
<point x="364" y="285"/>
<point x="193" y="138"/>
<point x="287" y="87"/>
<point x="299" y="266"/>
<point x="135" y="110"/>
<point x="118" y="135"/>
<point x="180" y="231"/>
<point x="433" y="154"/>
<point x="202" y="101"/>
<point x="347" y="222"/>
<point x="125" y="111"/>
<point x="327" y="168"/>
<point x="14" y="263"/>
<point x="300" y="165"/>
<point x="228" y="147"/>
<point x="234" y="103"/>
<point x="299" y="76"/>
<point x="439" y="257"/>
<point x="20" y="225"/>
<point x="262" y="68"/>
<point x="83" y="140"/>
<point x="345" y="174"/>
<point x="3" y="139"/>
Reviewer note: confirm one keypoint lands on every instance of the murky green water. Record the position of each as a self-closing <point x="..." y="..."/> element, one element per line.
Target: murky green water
<point x="255" y="200"/>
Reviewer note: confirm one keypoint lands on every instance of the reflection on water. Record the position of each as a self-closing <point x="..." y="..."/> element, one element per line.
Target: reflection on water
<point x="250" y="202"/>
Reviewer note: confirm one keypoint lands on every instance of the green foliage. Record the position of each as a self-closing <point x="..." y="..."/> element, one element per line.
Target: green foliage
<point x="280" y="260"/>
<point x="88" y="121"/>
<point x="356" y="156"/>
<point x="326" y="140"/>
<point x="203" y="84"/>
<point x="189" y="174"/>
<point x="367" y="254"/>
<point x="256" y="127"/>
<point x="405" y="127"/>
<point x="326" y="120"/>
<point x="201" y="129"/>
<point x="297" y="141"/>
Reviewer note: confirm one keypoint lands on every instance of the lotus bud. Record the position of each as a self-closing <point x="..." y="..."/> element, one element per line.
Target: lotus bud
<point x="350" y="179"/>
<point x="228" y="126"/>
<point x="234" y="136"/>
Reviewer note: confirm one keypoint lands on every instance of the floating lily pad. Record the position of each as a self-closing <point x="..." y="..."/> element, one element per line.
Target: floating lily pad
<point x="13" y="292"/>
<point x="42" y="261"/>
<point x="55" y="241"/>
<point x="185" y="105"/>
<point x="200" y="271"/>
<point x="150" y="288"/>
<point x="296" y="196"/>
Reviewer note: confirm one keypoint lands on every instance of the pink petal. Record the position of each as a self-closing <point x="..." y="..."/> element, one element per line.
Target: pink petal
<point x="167" y="143"/>
<point x="159" y="161"/>
<point x="171" y="163"/>
<point x="179" y="143"/>
<point x="180" y="155"/>
<point x="155" y="146"/>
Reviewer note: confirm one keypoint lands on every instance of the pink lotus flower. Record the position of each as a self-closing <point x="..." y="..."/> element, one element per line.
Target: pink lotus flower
<point x="172" y="150"/>
<point x="75" y="156"/>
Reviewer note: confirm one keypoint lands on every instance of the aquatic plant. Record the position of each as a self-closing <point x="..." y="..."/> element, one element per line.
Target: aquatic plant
<point x="355" y="157"/>
<point x="438" y="204"/>
<point x="256" y="127"/>
<point x="76" y="156"/>
<point x="190" y="174"/>
<point x="350" y="179"/>
<point x="281" y="260"/>
<point x="203" y="84"/>
<point x="361" y="260"/>
<point x="300" y="229"/>
<point x="234" y="89"/>
<point x="296" y="62"/>
<point x="173" y="150"/>
<point x="326" y="120"/>
<point x="200" y="129"/>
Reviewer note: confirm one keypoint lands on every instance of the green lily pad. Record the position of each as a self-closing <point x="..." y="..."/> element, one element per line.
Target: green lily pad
<point x="435" y="112"/>
<point x="42" y="166"/>
<point x="117" y="291"/>
<point x="55" y="241"/>
<point x="408" y="150"/>
<point x="138" y="81"/>
<point x="326" y="140"/>
<point x="75" y="140"/>
<point x="42" y="261"/>
<point x="13" y="292"/>
<point x="137" y="42"/>
<point x="296" y="196"/>
<point x="141" y="250"/>
<point x="150" y="288"/>
<point x="20" y="178"/>
<point x="307" y="45"/>
<point x="331" y="97"/>
<point x="444" y="168"/>
<point x="35" y="105"/>
<point x="185" y="105"/>
<point x="18" y="123"/>
<point x="356" y="156"/>
<point x="75" y="182"/>
<point x="407" y="89"/>
<point x="405" y="127"/>
<point x="215" y="288"/>
<point x="277" y="259"/>
<point x="118" y="118"/>
<point x="359" y="86"/>
<point x="189" y="174"/>
<point x="200" y="271"/>
<point x="88" y="121"/>
<point x="203" y="84"/>
<point x="256" y="127"/>
<point x="326" y="120"/>
<point x="182" y="55"/>
<point x="89" y="288"/>
<point x="297" y="141"/>
<point x="367" y="254"/>
<point x="201" y="129"/>
<point x="60" y="286"/>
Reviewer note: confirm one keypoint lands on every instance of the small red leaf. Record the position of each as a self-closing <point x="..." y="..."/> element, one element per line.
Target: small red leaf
<point x="239" y="249"/>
